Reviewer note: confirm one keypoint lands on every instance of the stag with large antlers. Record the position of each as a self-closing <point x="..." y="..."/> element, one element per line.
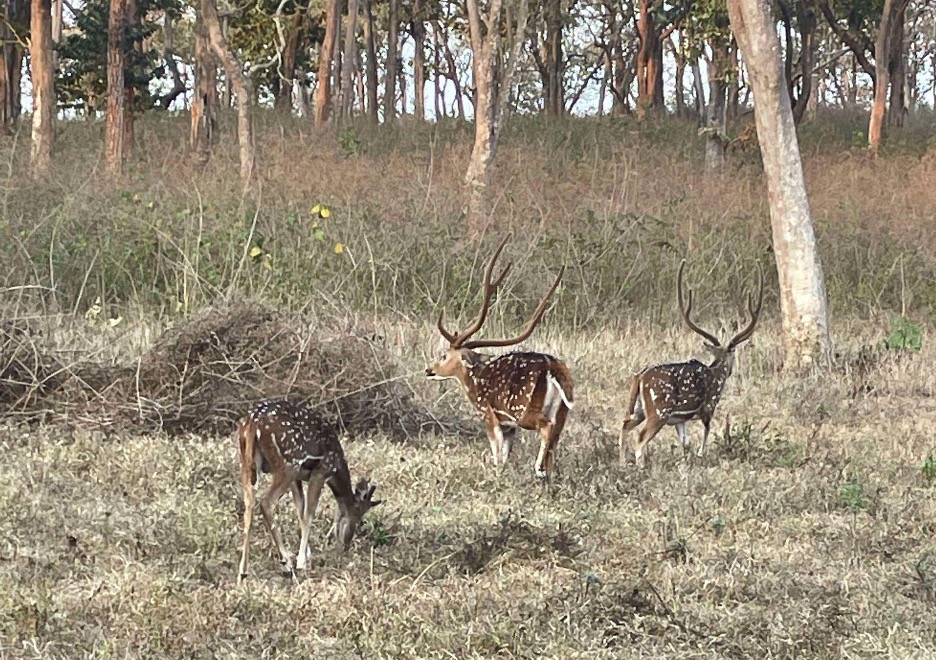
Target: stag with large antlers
<point x="675" y="394"/>
<point x="526" y="390"/>
<point x="296" y="445"/>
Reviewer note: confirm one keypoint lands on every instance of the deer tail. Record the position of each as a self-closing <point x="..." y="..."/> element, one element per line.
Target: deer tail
<point x="633" y="391"/>
<point x="247" y="439"/>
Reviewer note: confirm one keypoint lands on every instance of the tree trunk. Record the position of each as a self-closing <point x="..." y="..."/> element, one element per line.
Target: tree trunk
<point x="178" y="85"/>
<point x="204" y="112"/>
<point x="493" y="76"/>
<point x="234" y="71"/>
<point x="40" y="60"/>
<point x="370" y="51"/>
<point x="807" y="27"/>
<point x="802" y="287"/>
<point x="116" y="115"/>
<point x="58" y="7"/>
<point x="418" y="31"/>
<point x="699" y="90"/>
<point x="555" y="103"/>
<point x="715" y="128"/>
<point x="282" y="100"/>
<point x="131" y="23"/>
<point x="11" y="60"/>
<point x="881" y="78"/>
<point x="347" y="62"/>
<point x="323" y="95"/>
<point x="897" y="68"/>
<point x="391" y="67"/>
<point x="680" y="92"/>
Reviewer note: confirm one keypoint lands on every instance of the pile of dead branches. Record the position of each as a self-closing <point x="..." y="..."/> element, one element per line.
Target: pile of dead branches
<point x="203" y="375"/>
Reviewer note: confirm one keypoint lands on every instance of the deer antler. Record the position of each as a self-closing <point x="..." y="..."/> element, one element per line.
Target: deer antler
<point x="489" y="288"/>
<point x="537" y="317"/>
<point x="686" y="308"/>
<point x="754" y="310"/>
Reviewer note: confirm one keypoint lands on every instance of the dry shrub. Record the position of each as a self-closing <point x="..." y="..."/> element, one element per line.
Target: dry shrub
<point x="26" y="372"/>
<point x="201" y="376"/>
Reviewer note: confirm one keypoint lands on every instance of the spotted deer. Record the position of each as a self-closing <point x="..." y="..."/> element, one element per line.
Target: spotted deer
<point x="675" y="394"/>
<point x="294" y="444"/>
<point x="519" y="389"/>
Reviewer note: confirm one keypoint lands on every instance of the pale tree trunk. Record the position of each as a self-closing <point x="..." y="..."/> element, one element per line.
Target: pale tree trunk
<point x="115" y="117"/>
<point x="234" y="71"/>
<point x="802" y="287"/>
<point x="40" y="59"/>
<point x="347" y="63"/>
<point x="370" y="52"/>
<point x="323" y="94"/>
<point x="493" y="77"/>
<point x="282" y="98"/>
<point x="390" y="70"/>
<point x="204" y="112"/>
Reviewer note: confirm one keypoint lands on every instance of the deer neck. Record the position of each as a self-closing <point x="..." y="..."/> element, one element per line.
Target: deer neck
<point x="340" y="484"/>
<point x="471" y="375"/>
<point x="718" y="372"/>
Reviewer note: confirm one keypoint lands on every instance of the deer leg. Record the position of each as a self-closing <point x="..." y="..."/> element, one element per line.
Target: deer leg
<point x="548" y="444"/>
<point x="277" y="489"/>
<point x="247" y="481"/>
<point x="707" y="424"/>
<point x="495" y="435"/>
<point x="313" y="491"/>
<point x="507" y="436"/>
<point x="298" y="499"/>
<point x="683" y="437"/>
<point x="650" y="429"/>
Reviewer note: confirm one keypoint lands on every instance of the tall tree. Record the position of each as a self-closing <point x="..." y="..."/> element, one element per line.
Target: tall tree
<point x="323" y="95"/>
<point x="204" y="109"/>
<point x="234" y="71"/>
<point x="370" y="52"/>
<point x="348" y="60"/>
<point x="418" y="32"/>
<point x="494" y="64"/>
<point x="116" y="113"/>
<point x="555" y="64"/>
<point x="802" y="287"/>
<point x="41" y="71"/>
<point x="390" y="70"/>
<point x="890" y="27"/>
<point x="13" y="28"/>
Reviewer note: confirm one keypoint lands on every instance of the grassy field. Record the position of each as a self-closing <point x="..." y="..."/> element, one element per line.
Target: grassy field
<point x="808" y="529"/>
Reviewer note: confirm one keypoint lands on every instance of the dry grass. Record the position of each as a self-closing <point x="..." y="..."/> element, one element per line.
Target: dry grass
<point x="808" y="533"/>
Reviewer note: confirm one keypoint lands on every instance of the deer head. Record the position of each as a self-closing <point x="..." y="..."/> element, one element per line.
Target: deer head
<point x="459" y="356"/>
<point x="723" y="355"/>
<point x="351" y="511"/>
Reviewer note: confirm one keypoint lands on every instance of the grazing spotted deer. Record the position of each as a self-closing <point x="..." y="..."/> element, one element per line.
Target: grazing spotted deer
<point x="674" y="394"/>
<point x="295" y="445"/>
<point x="526" y="390"/>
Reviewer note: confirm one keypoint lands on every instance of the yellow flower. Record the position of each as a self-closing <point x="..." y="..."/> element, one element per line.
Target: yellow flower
<point x="316" y="209"/>
<point x="339" y="248"/>
<point x="268" y="261"/>
<point x="325" y="212"/>
<point x="255" y="252"/>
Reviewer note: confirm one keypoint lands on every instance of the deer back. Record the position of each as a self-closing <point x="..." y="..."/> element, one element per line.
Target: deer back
<point x="516" y="383"/>
<point x="289" y="435"/>
<point x="676" y="389"/>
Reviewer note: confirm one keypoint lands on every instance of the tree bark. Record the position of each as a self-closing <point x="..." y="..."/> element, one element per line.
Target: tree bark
<point x="323" y="95"/>
<point x="897" y="70"/>
<point x="11" y="61"/>
<point x="803" y="303"/>
<point x="370" y="52"/>
<point x="881" y="77"/>
<point x="204" y="112"/>
<point x="389" y="104"/>
<point x="178" y="85"/>
<point x="116" y="114"/>
<point x="234" y="71"/>
<point x="493" y="75"/>
<point x="555" y="64"/>
<point x="282" y="100"/>
<point x="715" y="118"/>
<point x="347" y="62"/>
<point x="131" y="21"/>
<point x="58" y="7"/>
<point x="43" y="87"/>
<point x="418" y="32"/>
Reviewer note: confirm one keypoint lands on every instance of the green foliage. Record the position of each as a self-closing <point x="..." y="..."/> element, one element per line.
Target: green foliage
<point x="905" y="336"/>
<point x="852" y="495"/>
<point x="349" y="142"/>
<point x="82" y="74"/>
<point x="928" y="468"/>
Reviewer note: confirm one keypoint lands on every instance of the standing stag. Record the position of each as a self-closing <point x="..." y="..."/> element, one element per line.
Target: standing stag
<point x="295" y="445"/>
<point x="526" y="390"/>
<point x="674" y="394"/>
